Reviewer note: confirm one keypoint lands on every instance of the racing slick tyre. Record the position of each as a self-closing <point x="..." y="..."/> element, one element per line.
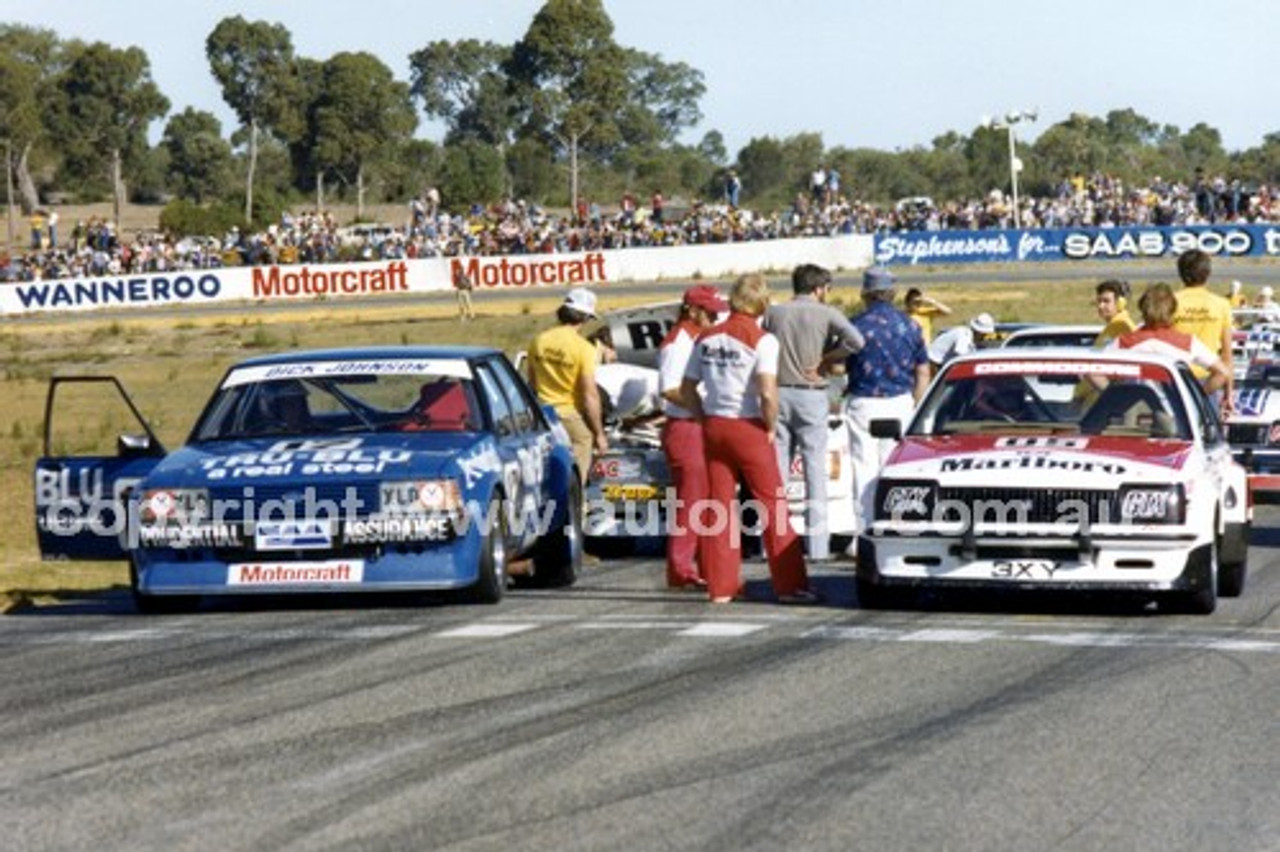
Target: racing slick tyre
<point x="872" y="596"/>
<point x="491" y="583"/>
<point x="159" y="604"/>
<point x="558" y="555"/>
<point x="1233" y="561"/>
<point x="1202" y="571"/>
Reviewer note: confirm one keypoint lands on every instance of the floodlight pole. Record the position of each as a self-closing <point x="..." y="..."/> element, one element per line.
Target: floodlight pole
<point x="1006" y="124"/>
<point x="1013" y="178"/>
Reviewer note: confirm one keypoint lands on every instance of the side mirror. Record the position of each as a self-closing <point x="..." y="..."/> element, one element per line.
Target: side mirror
<point x="134" y="446"/>
<point x="891" y="429"/>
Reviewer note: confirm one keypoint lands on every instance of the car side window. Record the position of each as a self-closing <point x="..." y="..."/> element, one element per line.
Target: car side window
<point x="503" y="420"/>
<point x="523" y="405"/>
<point x="1210" y="427"/>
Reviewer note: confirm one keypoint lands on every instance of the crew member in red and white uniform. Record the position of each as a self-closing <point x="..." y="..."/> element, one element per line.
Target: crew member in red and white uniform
<point x="1157" y="334"/>
<point x="736" y="365"/>
<point x="682" y="437"/>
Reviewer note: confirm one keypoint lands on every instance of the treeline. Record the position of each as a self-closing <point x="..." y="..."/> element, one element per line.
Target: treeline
<point x="564" y="113"/>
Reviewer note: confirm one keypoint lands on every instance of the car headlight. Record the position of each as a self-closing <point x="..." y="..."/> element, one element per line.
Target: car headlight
<point x="905" y="500"/>
<point x="421" y="496"/>
<point x="173" y="505"/>
<point x="1152" y="504"/>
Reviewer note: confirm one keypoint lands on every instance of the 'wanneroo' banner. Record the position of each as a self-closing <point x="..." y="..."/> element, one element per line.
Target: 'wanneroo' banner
<point x="390" y="277"/>
<point x="1048" y="244"/>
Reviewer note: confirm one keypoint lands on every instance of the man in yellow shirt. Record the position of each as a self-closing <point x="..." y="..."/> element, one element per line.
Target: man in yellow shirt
<point x="1204" y="314"/>
<point x="1112" y="305"/>
<point x="562" y="371"/>
<point x="922" y="309"/>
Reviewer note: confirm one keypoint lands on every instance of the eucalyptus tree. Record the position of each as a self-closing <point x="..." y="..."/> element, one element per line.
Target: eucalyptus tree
<point x="361" y="115"/>
<point x="30" y="59"/>
<point x="200" y="159"/>
<point x="101" y="106"/>
<point x="253" y="62"/>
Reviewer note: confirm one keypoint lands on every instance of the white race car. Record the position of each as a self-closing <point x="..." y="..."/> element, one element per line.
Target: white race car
<point x="1002" y="482"/>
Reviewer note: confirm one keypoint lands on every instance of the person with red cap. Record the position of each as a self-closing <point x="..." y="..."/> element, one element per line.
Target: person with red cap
<point x="682" y="438"/>
<point x="736" y="365"/>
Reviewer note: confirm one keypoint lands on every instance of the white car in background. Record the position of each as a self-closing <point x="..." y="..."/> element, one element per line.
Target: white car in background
<point x="627" y="485"/>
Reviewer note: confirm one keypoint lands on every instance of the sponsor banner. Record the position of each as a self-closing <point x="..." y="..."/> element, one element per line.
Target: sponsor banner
<point x="327" y="572"/>
<point x="1054" y="244"/>
<point x="398" y="277"/>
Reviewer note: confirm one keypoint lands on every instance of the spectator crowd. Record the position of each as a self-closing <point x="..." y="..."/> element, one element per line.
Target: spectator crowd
<point x="93" y="249"/>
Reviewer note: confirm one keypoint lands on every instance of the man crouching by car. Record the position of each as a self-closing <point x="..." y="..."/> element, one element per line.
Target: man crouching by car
<point x="682" y="436"/>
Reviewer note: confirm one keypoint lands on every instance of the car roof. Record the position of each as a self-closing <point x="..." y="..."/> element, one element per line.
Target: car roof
<point x="1033" y="330"/>
<point x="461" y="353"/>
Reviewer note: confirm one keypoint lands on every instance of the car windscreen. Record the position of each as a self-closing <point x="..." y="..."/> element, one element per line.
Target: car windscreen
<point x="302" y="400"/>
<point x="1035" y="396"/>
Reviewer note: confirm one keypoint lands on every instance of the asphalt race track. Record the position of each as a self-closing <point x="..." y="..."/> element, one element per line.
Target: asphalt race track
<point x="618" y="714"/>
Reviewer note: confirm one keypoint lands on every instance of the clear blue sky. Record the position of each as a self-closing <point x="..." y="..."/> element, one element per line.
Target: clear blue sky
<point x="883" y="74"/>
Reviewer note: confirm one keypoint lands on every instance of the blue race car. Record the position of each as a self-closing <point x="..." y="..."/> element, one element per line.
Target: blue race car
<point x="372" y="469"/>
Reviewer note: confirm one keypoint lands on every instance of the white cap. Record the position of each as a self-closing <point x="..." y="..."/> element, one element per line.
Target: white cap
<point x="582" y="300"/>
<point x="983" y="324"/>
<point x="1267" y="292"/>
<point x="1235" y="286"/>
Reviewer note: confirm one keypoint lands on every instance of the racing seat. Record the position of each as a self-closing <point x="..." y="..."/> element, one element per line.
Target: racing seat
<point x="1127" y="405"/>
<point x="441" y="407"/>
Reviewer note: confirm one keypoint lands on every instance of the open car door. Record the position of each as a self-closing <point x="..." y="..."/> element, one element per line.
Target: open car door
<point x="84" y="478"/>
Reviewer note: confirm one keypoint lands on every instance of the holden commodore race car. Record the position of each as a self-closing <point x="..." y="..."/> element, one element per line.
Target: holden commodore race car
<point x="1002" y="481"/>
<point x="372" y="469"/>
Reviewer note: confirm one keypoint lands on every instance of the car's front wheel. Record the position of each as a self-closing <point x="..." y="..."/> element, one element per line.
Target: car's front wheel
<point x="1202" y="571"/>
<point x="1233" y="560"/>
<point x="491" y="583"/>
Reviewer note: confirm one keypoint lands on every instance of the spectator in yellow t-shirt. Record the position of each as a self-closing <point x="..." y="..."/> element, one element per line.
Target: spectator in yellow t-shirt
<point x="1203" y="313"/>
<point x="922" y="309"/>
<point x="562" y="370"/>
<point x="1236" y="296"/>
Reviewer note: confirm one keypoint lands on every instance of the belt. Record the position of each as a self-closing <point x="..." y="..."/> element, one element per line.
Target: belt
<point x="805" y="387"/>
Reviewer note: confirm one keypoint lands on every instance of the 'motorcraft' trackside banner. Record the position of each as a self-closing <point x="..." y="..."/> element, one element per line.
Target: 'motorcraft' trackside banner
<point x="930" y="247"/>
<point x="391" y="277"/>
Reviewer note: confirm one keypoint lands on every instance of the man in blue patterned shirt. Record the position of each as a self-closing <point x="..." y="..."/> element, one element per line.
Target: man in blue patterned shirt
<point x="887" y="376"/>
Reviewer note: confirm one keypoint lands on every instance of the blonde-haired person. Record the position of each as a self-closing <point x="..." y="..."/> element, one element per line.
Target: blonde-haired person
<point x="736" y="364"/>
<point x="1159" y="306"/>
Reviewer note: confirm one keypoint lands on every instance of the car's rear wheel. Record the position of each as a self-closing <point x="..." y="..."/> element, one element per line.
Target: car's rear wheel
<point x="491" y="583"/>
<point x="557" y="558"/>
<point x="158" y="604"/>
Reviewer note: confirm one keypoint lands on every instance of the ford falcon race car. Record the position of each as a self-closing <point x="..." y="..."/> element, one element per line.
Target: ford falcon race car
<point x="376" y="469"/>
<point x="1002" y="481"/>
<point x="1254" y="427"/>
